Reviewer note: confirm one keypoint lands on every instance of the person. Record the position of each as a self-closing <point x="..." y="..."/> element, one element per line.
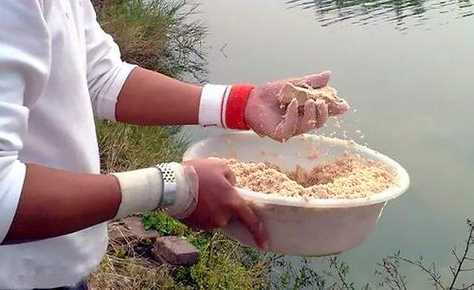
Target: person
<point x="58" y="71"/>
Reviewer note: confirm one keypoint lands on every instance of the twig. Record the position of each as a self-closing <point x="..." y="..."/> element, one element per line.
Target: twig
<point x="451" y="269"/>
<point x="469" y="286"/>
<point x="422" y="267"/>
<point x="461" y="261"/>
<point x="391" y="268"/>
<point x="453" y="251"/>
<point x="333" y="262"/>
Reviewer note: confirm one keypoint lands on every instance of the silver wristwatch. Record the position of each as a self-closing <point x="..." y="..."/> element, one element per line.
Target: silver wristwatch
<point x="168" y="176"/>
<point x="180" y="189"/>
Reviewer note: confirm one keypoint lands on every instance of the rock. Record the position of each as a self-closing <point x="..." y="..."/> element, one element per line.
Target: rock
<point x="135" y="225"/>
<point x="175" y="251"/>
<point x="131" y="229"/>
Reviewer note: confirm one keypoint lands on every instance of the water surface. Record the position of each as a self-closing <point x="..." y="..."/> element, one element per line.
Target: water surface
<point x="407" y="67"/>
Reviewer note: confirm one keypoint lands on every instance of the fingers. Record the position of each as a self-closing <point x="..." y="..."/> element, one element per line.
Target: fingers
<point x="308" y="121"/>
<point x="249" y="219"/>
<point x="315" y="80"/>
<point x="316" y="114"/>
<point x="322" y="113"/>
<point x="287" y="127"/>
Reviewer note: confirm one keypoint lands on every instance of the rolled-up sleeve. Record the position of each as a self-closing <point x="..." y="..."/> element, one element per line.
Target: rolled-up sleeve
<point x="106" y="72"/>
<point x="24" y="70"/>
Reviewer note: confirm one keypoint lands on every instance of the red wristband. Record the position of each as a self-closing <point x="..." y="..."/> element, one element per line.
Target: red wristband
<point x="234" y="113"/>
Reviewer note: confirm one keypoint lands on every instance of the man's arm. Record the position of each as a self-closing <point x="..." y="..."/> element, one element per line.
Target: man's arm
<point x="151" y="98"/>
<point x="56" y="202"/>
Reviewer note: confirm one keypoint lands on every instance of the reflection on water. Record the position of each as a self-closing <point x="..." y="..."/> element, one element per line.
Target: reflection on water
<point x="401" y="12"/>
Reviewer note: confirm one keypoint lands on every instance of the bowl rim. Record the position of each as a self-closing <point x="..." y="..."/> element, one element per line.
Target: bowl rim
<point x="376" y="198"/>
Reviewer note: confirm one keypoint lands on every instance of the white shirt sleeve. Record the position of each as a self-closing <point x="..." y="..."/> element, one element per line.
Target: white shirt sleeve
<point x="106" y="73"/>
<point x="24" y="70"/>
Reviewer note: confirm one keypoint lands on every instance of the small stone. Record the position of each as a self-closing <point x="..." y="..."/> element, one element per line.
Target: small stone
<point x="175" y="251"/>
<point x="131" y="229"/>
<point x="135" y="225"/>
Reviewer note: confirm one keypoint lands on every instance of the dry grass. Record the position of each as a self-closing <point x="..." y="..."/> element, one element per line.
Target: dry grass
<point x="130" y="273"/>
<point x="126" y="266"/>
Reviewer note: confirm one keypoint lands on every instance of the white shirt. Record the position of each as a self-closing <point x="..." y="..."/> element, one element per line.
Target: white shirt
<point x="57" y="70"/>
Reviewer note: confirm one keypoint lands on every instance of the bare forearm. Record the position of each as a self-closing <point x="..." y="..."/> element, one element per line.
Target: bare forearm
<point x="56" y="202"/>
<point x="150" y="98"/>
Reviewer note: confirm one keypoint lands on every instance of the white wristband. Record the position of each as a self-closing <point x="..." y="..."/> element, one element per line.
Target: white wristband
<point x="141" y="190"/>
<point x="211" y="105"/>
<point x="170" y="186"/>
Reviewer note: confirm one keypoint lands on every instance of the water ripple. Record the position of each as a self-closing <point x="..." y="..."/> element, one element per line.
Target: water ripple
<point x="403" y="13"/>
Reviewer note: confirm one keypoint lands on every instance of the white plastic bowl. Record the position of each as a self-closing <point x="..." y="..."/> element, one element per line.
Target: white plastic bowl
<point x="315" y="227"/>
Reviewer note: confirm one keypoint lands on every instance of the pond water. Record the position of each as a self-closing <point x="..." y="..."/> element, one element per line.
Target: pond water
<point x="407" y="67"/>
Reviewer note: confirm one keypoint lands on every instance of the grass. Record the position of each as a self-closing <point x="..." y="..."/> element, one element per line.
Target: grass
<point x="164" y="224"/>
<point x="127" y="147"/>
<point x="132" y="273"/>
<point x="157" y="35"/>
<point x="223" y="263"/>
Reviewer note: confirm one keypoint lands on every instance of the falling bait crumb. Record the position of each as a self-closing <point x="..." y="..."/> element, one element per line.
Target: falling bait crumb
<point x="350" y="176"/>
